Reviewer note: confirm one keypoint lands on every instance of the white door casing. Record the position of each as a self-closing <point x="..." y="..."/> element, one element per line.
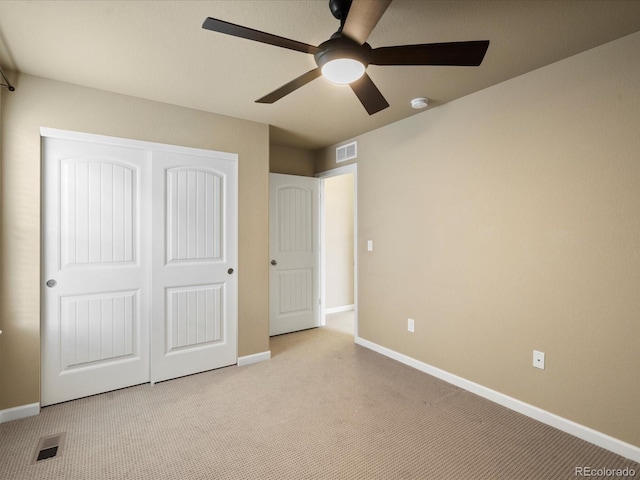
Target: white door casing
<point x="140" y="291"/>
<point x="95" y="337"/>
<point x="195" y="279"/>
<point x="294" y="245"/>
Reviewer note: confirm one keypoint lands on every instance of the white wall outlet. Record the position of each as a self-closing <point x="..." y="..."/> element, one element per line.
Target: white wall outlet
<point x="369" y="245"/>
<point x="538" y="359"/>
<point x="411" y="326"/>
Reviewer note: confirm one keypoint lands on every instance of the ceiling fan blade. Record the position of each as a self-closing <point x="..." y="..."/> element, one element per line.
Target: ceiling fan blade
<point x="468" y="54"/>
<point x="369" y="95"/>
<point x="287" y="88"/>
<point x="250" y="34"/>
<point x="363" y="16"/>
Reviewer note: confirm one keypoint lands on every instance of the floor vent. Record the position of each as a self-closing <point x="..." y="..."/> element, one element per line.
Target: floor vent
<point x="49" y="447"/>
<point x="346" y="152"/>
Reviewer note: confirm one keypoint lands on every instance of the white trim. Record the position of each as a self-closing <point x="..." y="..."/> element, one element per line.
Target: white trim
<point x="344" y="170"/>
<point x="16" y="413"/>
<point x="600" y="439"/>
<point x="323" y="256"/>
<point x="344" y="308"/>
<point x="134" y="144"/>
<point x="254" y="358"/>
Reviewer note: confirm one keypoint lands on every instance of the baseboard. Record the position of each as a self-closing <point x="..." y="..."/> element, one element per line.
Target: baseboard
<point x="254" y="358"/>
<point x="16" y="413"/>
<point x="344" y="308"/>
<point x="577" y="430"/>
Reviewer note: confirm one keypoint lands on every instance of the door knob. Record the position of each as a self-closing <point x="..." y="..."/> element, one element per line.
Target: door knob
<point x="273" y="262"/>
<point x="230" y="271"/>
<point x="51" y="283"/>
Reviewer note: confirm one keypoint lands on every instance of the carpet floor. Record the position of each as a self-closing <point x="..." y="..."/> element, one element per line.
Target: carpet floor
<point x="321" y="408"/>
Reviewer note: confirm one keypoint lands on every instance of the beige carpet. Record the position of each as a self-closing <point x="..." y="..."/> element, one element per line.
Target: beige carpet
<point x="321" y="408"/>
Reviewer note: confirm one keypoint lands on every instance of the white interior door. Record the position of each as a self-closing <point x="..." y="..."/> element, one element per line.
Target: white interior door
<point x="194" y="263"/>
<point x="294" y="244"/>
<point x="95" y="265"/>
<point x="139" y="258"/>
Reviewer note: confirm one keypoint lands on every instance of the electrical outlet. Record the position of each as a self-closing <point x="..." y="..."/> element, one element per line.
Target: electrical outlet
<point x="411" y="325"/>
<point x="538" y="359"/>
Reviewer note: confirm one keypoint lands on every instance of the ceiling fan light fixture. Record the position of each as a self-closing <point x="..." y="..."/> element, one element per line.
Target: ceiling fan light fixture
<point x="344" y="58"/>
<point x="341" y="60"/>
<point x="343" y="70"/>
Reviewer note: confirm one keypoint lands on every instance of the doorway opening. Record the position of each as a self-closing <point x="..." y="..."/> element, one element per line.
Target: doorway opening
<point x="339" y="249"/>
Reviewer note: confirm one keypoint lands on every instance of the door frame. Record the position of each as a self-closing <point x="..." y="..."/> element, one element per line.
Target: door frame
<point x="335" y="172"/>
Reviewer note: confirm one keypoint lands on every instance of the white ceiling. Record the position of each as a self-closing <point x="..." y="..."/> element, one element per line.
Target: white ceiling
<point x="158" y="50"/>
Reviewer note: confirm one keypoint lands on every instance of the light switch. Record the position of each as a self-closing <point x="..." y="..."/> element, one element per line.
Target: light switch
<point x="538" y="359"/>
<point x="370" y="245"/>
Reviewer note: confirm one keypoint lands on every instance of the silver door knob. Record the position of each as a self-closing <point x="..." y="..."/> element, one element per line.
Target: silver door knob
<point x="51" y="283"/>
<point x="273" y="262"/>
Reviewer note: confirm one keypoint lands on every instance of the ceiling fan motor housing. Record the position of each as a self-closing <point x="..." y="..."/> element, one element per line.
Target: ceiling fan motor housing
<point x="340" y="46"/>
<point x="340" y="8"/>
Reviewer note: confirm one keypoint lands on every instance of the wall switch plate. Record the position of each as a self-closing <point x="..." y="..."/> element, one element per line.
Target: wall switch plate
<point x="411" y="326"/>
<point x="369" y="245"/>
<point x="538" y="359"/>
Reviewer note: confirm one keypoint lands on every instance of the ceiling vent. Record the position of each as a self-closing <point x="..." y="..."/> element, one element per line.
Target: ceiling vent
<point x="347" y="152"/>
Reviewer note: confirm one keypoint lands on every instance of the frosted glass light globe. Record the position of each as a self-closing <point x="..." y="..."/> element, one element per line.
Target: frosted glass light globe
<point x="343" y="70"/>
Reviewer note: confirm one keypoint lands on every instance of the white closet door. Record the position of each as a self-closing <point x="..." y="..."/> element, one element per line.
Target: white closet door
<point x="195" y="278"/>
<point x="140" y="250"/>
<point x="95" y="303"/>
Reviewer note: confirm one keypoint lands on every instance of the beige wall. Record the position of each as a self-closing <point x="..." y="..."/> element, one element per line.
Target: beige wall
<point x="291" y="161"/>
<point x="39" y="102"/>
<point x="1" y="314"/>
<point x="338" y="240"/>
<point x="509" y="221"/>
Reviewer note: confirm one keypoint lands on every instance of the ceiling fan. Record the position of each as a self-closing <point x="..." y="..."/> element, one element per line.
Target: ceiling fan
<point x="344" y="58"/>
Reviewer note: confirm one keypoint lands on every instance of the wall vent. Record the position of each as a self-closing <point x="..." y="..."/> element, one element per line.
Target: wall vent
<point x="347" y="152"/>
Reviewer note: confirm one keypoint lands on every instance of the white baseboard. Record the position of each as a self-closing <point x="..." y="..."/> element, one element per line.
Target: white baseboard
<point x="600" y="439"/>
<point x="344" y="308"/>
<point x="16" y="413"/>
<point x="254" y="358"/>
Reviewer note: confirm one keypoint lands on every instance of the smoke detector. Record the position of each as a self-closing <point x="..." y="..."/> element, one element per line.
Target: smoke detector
<point x="419" y="103"/>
